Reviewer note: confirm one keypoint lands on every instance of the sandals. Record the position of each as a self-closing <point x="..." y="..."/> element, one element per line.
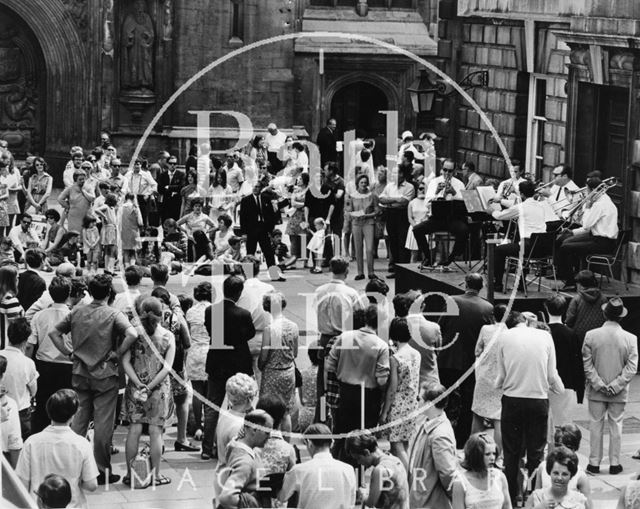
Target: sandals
<point x="159" y="481"/>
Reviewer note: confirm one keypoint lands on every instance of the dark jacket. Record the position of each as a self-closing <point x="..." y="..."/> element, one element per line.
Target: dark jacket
<point x="170" y="187"/>
<point x="30" y="287"/>
<point x="237" y="329"/>
<point x="585" y="312"/>
<point x="326" y="142"/>
<point x="249" y="214"/>
<point x="568" y="358"/>
<point x="473" y="313"/>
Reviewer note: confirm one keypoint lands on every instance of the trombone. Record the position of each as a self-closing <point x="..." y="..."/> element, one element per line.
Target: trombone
<point x="588" y="200"/>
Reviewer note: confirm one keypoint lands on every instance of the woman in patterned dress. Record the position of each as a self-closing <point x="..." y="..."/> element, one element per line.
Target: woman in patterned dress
<point x="40" y="186"/>
<point x="486" y="398"/>
<point x="402" y="393"/>
<point x="5" y="223"/>
<point x="147" y="397"/>
<point x="197" y="355"/>
<point x="277" y="355"/>
<point x="294" y="230"/>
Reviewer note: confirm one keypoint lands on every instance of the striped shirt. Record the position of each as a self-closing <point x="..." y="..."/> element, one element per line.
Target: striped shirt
<point x="9" y="308"/>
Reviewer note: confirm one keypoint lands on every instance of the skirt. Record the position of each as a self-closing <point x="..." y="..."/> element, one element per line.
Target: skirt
<point x="109" y="235"/>
<point x="411" y="243"/>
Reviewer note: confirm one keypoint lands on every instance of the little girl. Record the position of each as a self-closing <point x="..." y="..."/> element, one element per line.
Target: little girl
<point x="316" y="245"/>
<point x="109" y="232"/>
<point x="131" y="222"/>
<point x="91" y="243"/>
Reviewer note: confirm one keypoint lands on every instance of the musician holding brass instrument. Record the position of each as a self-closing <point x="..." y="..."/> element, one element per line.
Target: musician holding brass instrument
<point x="443" y="187"/>
<point x="597" y="234"/>
<point x="534" y="220"/>
<point x="507" y="194"/>
<point x="562" y="191"/>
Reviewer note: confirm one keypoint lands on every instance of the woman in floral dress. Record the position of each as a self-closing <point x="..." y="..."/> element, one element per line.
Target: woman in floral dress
<point x="277" y="355"/>
<point x="147" y="397"/>
<point x="5" y="223"/>
<point x="486" y="398"/>
<point x="402" y="394"/>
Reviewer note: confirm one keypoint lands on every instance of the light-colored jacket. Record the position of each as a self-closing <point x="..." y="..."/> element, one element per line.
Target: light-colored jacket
<point x="432" y="464"/>
<point x="610" y="358"/>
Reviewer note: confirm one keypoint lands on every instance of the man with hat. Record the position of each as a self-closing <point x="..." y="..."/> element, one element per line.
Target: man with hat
<point x="610" y="358"/>
<point x="407" y="145"/>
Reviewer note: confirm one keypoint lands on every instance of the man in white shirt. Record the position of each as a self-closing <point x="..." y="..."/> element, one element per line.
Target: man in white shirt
<point x="396" y="197"/>
<point x="321" y="482"/>
<point x="125" y="301"/>
<point x="72" y="166"/>
<point x="597" y="235"/>
<point x="140" y="183"/>
<point x="59" y="449"/>
<point x="562" y="193"/>
<point x="23" y="236"/>
<point x="444" y="187"/>
<point x="274" y="139"/>
<point x="53" y="366"/>
<point x="507" y="194"/>
<point x="534" y="218"/>
<point x="526" y="373"/>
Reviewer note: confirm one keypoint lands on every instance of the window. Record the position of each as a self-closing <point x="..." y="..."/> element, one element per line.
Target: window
<point x="237" y="21"/>
<point x="537" y="112"/>
<point x="386" y="4"/>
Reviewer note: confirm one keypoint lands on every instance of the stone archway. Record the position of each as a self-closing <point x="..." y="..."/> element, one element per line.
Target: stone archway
<point x="60" y="27"/>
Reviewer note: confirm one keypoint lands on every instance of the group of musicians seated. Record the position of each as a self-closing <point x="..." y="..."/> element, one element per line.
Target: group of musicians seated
<point x="585" y="220"/>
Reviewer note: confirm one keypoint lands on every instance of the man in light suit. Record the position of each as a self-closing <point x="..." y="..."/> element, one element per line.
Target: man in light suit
<point x="432" y="455"/>
<point x="610" y="357"/>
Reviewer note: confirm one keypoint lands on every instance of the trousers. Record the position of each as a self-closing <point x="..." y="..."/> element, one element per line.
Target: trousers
<point x="614" y="413"/>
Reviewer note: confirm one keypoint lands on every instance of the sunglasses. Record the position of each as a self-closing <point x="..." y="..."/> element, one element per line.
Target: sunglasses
<point x="421" y="188"/>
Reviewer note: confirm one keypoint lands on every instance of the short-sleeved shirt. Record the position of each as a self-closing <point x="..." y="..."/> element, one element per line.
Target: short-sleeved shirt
<point x="21" y="371"/>
<point x="10" y="431"/>
<point x="41" y="325"/>
<point x="57" y="449"/>
<point x="94" y="330"/>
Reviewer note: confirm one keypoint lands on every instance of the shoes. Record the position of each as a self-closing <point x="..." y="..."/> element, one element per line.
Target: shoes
<point x="316" y="270"/>
<point x="102" y="480"/>
<point x="615" y="469"/>
<point x="198" y="434"/>
<point x="279" y="280"/>
<point x="185" y="447"/>
<point x="206" y="456"/>
<point x="288" y="262"/>
<point x="114" y="450"/>
<point x="359" y="277"/>
<point x="391" y="275"/>
<point x="592" y="469"/>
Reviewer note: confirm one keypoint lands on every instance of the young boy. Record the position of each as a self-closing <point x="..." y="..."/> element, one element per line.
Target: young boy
<point x="21" y="377"/>
<point x="59" y="449"/>
<point x="281" y="251"/>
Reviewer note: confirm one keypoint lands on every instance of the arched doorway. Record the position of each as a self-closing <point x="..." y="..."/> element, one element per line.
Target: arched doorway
<point x="22" y="86"/>
<point x="356" y="106"/>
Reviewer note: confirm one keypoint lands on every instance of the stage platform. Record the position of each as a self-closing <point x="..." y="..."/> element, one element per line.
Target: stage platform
<point x="408" y="277"/>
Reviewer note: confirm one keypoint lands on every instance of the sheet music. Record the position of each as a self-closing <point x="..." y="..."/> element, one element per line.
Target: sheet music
<point x="486" y="193"/>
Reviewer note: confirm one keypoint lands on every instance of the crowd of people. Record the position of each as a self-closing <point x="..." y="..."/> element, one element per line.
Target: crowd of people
<point x="225" y="369"/>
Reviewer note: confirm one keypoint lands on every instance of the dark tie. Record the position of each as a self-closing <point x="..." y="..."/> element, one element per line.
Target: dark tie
<point x="558" y="195"/>
<point x="260" y="220"/>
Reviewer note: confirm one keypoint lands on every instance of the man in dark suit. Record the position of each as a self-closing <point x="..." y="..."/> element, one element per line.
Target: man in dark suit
<point x="170" y="182"/>
<point x="258" y="218"/>
<point x="460" y="335"/>
<point x="30" y="284"/>
<point x="326" y="142"/>
<point x="230" y="328"/>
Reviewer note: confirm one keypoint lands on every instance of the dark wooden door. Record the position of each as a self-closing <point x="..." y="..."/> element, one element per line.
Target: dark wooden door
<point x="356" y="106"/>
<point x="601" y="133"/>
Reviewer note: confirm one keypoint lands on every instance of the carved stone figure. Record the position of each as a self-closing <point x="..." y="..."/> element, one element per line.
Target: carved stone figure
<point x="107" y="42"/>
<point x="137" y="41"/>
<point x="168" y="21"/>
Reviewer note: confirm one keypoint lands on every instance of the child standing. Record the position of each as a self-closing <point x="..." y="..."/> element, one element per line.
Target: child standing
<point x="91" y="243"/>
<point x="130" y="223"/>
<point x="316" y="245"/>
<point x="109" y="231"/>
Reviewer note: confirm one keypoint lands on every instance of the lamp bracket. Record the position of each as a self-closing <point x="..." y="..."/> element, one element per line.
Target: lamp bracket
<point x="473" y="80"/>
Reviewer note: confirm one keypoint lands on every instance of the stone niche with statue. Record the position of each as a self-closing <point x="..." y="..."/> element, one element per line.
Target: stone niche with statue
<point x="21" y="118"/>
<point x="143" y="30"/>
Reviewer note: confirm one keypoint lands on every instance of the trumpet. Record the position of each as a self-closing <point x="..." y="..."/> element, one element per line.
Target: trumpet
<point x="544" y="186"/>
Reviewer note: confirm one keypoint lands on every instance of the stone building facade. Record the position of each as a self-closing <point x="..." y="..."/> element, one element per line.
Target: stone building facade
<point x="563" y="88"/>
<point x="71" y="68"/>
